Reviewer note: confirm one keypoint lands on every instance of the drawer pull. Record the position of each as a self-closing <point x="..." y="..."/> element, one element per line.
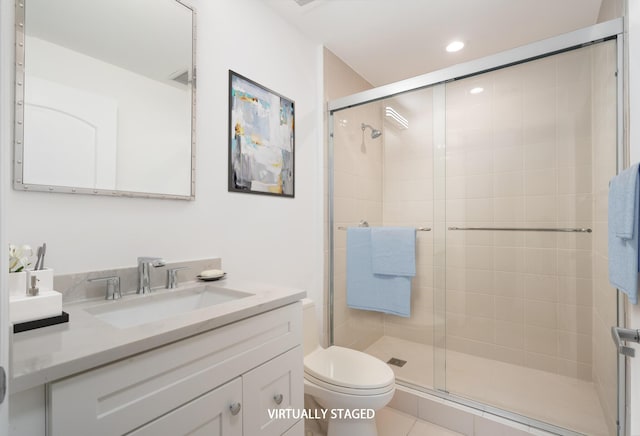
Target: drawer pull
<point x="235" y="408"/>
<point x="278" y="398"/>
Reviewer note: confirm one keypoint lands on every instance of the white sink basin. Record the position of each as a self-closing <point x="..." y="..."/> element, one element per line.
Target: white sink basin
<point x="149" y="308"/>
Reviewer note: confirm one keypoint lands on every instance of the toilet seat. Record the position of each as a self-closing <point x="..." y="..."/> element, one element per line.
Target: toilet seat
<point x="348" y="371"/>
<point x="356" y="392"/>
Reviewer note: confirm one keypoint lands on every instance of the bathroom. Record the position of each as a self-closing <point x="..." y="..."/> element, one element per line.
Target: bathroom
<point x="277" y="241"/>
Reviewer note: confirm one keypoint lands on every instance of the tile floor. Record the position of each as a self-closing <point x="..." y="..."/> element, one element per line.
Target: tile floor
<point x="559" y="400"/>
<point x="391" y="422"/>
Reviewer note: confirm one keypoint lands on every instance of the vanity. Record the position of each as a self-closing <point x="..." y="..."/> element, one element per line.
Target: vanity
<point x="213" y="358"/>
<point x="219" y="363"/>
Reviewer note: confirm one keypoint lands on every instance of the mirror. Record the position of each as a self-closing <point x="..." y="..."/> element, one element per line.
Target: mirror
<point x="105" y="97"/>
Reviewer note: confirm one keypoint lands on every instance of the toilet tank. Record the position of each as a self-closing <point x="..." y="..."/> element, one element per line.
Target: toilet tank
<point x="309" y="326"/>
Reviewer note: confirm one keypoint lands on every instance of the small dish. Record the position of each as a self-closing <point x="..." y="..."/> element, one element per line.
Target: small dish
<point x="211" y="279"/>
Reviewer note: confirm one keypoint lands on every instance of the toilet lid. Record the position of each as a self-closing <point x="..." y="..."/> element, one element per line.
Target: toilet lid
<point x="348" y="368"/>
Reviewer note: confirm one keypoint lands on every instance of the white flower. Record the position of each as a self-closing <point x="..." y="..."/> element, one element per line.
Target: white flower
<point x="19" y="257"/>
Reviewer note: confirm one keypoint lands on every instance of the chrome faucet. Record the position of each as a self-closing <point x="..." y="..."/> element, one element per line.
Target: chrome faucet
<point x="113" y="287"/>
<point x="144" y="280"/>
<point x="172" y="277"/>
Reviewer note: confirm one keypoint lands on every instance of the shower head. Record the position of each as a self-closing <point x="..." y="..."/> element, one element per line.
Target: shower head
<point x="375" y="133"/>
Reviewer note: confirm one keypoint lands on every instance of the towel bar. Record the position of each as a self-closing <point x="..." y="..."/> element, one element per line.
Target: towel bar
<point x="418" y="229"/>
<point x="524" y="229"/>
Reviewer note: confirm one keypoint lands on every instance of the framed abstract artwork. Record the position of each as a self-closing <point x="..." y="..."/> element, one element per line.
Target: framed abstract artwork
<point x="261" y="139"/>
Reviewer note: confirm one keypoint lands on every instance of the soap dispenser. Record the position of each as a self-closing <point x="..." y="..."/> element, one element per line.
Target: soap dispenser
<point x="33" y="290"/>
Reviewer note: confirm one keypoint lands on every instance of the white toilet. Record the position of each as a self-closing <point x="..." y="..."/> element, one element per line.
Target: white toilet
<point x="340" y="378"/>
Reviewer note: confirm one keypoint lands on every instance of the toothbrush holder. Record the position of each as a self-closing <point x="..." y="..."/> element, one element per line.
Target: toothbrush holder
<point x="44" y="276"/>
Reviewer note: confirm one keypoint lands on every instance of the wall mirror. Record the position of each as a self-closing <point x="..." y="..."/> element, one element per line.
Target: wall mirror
<point x="105" y="97"/>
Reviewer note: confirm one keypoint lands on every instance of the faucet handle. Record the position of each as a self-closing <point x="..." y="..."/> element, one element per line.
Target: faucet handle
<point x="153" y="261"/>
<point x="172" y="276"/>
<point x="113" y="287"/>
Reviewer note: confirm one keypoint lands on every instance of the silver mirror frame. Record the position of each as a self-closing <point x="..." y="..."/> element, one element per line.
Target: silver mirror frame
<point x="18" y="148"/>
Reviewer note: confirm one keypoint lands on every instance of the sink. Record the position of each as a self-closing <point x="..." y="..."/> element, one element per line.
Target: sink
<point x="149" y="308"/>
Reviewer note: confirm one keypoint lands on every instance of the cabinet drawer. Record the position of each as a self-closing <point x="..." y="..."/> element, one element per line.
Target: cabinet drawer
<point x="120" y="397"/>
<point x="272" y="388"/>
<point x="208" y="415"/>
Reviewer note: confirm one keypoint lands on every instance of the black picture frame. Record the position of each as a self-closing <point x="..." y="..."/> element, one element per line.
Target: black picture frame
<point x="261" y="157"/>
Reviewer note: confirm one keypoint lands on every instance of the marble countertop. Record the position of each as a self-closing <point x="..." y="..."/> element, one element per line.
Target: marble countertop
<point x="47" y="354"/>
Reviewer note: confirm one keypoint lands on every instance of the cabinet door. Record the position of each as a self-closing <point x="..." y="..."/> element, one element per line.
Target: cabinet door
<point x="269" y="390"/>
<point x="208" y="415"/>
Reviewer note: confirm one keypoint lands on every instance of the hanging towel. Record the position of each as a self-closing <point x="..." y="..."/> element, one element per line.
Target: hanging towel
<point x="368" y="291"/>
<point x="624" y="205"/>
<point x="393" y="250"/>
<point x="625" y="188"/>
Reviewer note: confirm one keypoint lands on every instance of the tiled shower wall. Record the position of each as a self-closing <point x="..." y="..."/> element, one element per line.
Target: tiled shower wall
<point x="408" y="201"/>
<point x="357" y="195"/>
<point x="604" y="168"/>
<point x="519" y="155"/>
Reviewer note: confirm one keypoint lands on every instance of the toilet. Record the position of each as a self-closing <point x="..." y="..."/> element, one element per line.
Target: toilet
<point x="342" y="379"/>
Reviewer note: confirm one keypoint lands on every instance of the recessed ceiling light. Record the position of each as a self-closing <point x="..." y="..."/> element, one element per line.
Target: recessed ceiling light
<point x="455" y="46"/>
<point x="476" y="90"/>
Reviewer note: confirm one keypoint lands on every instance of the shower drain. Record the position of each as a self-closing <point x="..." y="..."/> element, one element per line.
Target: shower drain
<point x="397" y="362"/>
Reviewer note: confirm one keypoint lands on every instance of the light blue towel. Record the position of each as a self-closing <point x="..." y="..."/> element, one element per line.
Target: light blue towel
<point x="368" y="291"/>
<point x="625" y="188"/>
<point x="623" y="251"/>
<point x="393" y="250"/>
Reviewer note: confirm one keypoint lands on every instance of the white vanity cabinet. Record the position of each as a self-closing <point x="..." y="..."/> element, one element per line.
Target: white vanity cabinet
<point x="221" y="382"/>
<point x="277" y="384"/>
<point x="208" y="415"/>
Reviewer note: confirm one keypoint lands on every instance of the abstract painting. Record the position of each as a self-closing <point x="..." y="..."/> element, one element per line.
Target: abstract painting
<point x="261" y="139"/>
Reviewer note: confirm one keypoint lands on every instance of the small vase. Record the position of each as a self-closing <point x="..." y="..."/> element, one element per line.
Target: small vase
<point x="17" y="283"/>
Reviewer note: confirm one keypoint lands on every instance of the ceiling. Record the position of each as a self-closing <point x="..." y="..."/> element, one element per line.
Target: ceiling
<point x="390" y="40"/>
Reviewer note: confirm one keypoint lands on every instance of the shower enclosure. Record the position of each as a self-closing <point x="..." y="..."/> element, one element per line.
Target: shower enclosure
<point x="503" y="165"/>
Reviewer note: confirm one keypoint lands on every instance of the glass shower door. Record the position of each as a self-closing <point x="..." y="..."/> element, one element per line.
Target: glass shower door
<point x="522" y="242"/>
<point x="381" y="179"/>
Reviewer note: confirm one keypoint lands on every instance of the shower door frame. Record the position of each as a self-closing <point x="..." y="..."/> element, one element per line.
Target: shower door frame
<point x="608" y="30"/>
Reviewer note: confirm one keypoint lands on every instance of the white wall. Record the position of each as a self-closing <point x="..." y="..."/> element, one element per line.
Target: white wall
<point x="268" y="239"/>
<point x="153" y="118"/>
<point x="633" y="13"/>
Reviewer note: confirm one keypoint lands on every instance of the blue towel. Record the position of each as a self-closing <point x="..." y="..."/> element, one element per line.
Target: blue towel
<point x="393" y="250"/>
<point x="625" y="188"/>
<point x="368" y="291"/>
<point x="623" y="251"/>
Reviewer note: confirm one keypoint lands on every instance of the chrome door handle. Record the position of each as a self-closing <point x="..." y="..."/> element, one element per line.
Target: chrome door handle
<point x="278" y="398"/>
<point x="620" y="334"/>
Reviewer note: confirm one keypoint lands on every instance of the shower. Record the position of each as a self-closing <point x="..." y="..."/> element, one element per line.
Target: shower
<point x="375" y="133"/>
<point x="510" y="305"/>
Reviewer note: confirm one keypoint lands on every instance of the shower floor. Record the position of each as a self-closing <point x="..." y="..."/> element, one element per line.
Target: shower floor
<point x="556" y="399"/>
